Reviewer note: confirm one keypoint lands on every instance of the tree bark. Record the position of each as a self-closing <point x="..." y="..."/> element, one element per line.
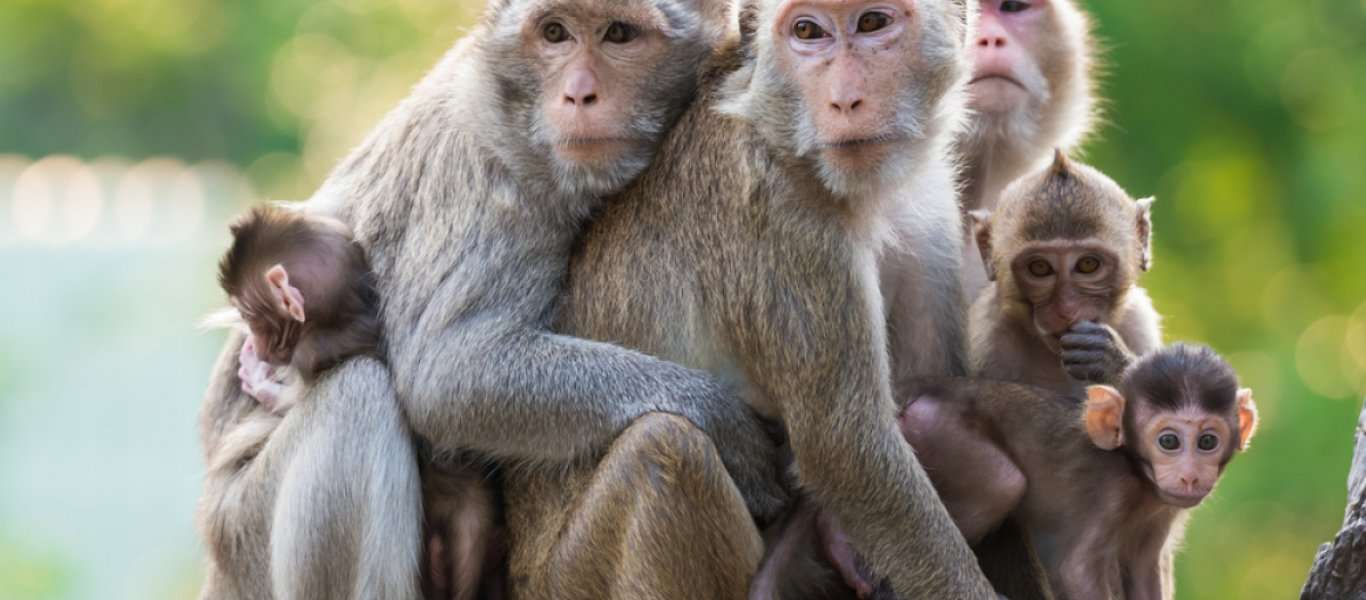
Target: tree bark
<point x="1339" y="570"/>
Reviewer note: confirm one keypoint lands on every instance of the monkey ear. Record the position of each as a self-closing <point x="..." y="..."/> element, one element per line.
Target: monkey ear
<point x="981" y="231"/>
<point x="1247" y="417"/>
<point x="1145" y="233"/>
<point x="1104" y="416"/>
<point x="288" y="299"/>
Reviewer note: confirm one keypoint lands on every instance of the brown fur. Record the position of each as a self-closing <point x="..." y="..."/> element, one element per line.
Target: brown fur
<point x="1100" y="327"/>
<point x="1088" y="479"/>
<point x="743" y="252"/>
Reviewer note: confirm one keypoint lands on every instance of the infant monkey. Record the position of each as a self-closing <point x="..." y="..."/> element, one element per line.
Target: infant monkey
<point x="1104" y="483"/>
<point x="304" y="290"/>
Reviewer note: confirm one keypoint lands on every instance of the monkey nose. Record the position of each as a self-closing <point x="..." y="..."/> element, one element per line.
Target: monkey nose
<point x="580" y="89"/>
<point x="991" y="41"/>
<point x="845" y="104"/>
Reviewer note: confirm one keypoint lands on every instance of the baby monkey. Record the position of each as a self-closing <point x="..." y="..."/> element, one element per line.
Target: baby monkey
<point x="304" y="290"/>
<point x="1063" y="250"/>
<point x="1102" y="485"/>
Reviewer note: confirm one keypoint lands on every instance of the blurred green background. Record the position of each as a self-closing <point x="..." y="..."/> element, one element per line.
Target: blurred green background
<point x="131" y="130"/>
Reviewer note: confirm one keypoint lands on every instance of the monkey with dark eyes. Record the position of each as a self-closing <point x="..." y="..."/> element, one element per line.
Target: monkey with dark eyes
<point x="1063" y="249"/>
<point x="1103" y="485"/>
<point x="303" y="289"/>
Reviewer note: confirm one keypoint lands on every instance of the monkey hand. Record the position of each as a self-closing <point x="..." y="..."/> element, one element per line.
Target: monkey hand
<point x="259" y="378"/>
<point x="1094" y="353"/>
<point x="751" y="457"/>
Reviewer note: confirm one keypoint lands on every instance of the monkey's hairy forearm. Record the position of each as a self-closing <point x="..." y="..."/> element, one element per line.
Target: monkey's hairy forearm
<point x="831" y="374"/>
<point x="521" y="393"/>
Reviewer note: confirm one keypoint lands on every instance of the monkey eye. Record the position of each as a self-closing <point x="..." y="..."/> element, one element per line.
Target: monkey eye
<point x="554" y="32"/>
<point x="1169" y="441"/>
<point x="1088" y="265"/>
<point x="620" y="33"/>
<point x="872" y="21"/>
<point x="1014" y="6"/>
<point x="1207" y="442"/>
<point x="806" y="29"/>
<point x="1040" y="268"/>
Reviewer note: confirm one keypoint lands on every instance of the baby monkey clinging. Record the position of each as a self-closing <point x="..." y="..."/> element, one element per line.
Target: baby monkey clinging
<point x="304" y="289"/>
<point x="1104" y="483"/>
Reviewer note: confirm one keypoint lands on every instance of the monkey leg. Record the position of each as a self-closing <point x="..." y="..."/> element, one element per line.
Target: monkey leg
<point x="657" y="518"/>
<point x="348" y="516"/>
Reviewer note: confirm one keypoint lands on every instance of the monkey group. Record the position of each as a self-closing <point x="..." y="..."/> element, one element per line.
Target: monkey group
<point x="710" y="299"/>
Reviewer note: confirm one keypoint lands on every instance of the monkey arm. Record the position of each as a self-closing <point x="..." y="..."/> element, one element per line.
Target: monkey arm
<point x="528" y="394"/>
<point x="820" y="352"/>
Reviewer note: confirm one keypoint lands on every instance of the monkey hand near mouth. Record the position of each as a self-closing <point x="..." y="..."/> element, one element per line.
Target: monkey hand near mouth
<point x="1094" y="353"/>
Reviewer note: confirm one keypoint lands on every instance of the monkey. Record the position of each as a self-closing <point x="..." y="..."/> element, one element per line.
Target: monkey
<point x="750" y="249"/>
<point x="468" y="199"/>
<point x="1033" y="89"/>
<point x="1107" y="480"/>
<point x="1063" y="250"/>
<point x="303" y="289"/>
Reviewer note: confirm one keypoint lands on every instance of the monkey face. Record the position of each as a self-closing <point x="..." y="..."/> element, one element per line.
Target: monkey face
<point x="1183" y="451"/>
<point x="587" y="89"/>
<point x="1065" y="282"/>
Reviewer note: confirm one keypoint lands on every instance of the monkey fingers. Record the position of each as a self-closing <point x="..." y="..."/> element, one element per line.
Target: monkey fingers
<point x="1094" y="353"/>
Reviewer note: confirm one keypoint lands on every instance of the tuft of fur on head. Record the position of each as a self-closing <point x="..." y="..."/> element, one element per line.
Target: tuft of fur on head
<point x="224" y="318"/>
<point x="1067" y="200"/>
<point x="1183" y="375"/>
<point x="1062" y="110"/>
<point x="930" y="106"/>
<point x="519" y="119"/>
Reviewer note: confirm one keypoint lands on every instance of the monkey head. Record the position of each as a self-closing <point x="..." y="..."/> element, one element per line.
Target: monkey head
<point x="1064" y="245"/>
<point x="289" y="274"/>
<point x="857" y="88"/>
<point x="1030" y="75"/>
<point x="1180" y="415"/>
<point x="586" y="89"/>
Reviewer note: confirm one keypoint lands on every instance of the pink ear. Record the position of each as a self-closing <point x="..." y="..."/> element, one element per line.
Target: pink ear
<point x="287" y="297"/>
<point x="981" y="232"/>
<point x="1104" y="417"/>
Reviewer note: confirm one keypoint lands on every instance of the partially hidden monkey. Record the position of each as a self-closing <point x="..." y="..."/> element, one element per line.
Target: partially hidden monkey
<point x="1064" y="249"/>
<point x="1103" y="485"/>
<point x="467" y="200"/>
<point x="1033" y="89"/>
<point x="750" y="249"/>
<point x="302" y="288"/>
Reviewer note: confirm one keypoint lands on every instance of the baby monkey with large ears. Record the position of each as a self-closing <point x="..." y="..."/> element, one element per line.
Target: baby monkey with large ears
<point x="1105" y="483"/>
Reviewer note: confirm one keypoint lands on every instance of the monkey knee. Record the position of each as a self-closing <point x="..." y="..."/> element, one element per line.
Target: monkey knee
<point x="667" y="451"/>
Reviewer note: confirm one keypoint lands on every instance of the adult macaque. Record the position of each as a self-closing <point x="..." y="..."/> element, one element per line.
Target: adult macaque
<point x="467" y="200"/>
<point x="303" y="289"/>
<point x="1064" y="249"/>
<point x="750" y="249"/>
<point x="1108" y="483"/>
<point x="1032" y="91"/>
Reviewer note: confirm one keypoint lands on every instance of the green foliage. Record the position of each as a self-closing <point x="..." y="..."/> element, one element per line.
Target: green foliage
<point x="1245" y="119"/>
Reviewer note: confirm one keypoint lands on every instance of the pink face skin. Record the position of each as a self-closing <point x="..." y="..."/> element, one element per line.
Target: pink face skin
<point x="1003" y="62"/>
<point x="1185" y="451"/>
<point x="1066" y="282"/>
<point x="590" y="68"/>
<point x="848" y="58"/>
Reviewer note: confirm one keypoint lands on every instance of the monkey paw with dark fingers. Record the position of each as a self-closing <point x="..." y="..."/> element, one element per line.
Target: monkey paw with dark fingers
<point x="1094" y="353"/>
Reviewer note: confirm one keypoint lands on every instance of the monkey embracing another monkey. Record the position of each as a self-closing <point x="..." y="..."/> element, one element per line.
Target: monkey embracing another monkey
<point x="467" y="200"/>
<point x="750" y="249"/>
<point x="1064" y="249"/>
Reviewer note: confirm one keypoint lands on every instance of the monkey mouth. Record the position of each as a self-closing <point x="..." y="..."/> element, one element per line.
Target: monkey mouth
<point x="592" y="149"/>
<point x="997" y="77"/>
<point x="861" y="142"/>
<point x="1182" y="500"/>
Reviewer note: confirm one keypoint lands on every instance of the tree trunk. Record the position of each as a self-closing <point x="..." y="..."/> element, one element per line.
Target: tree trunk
<point x="1339" y="570"/>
